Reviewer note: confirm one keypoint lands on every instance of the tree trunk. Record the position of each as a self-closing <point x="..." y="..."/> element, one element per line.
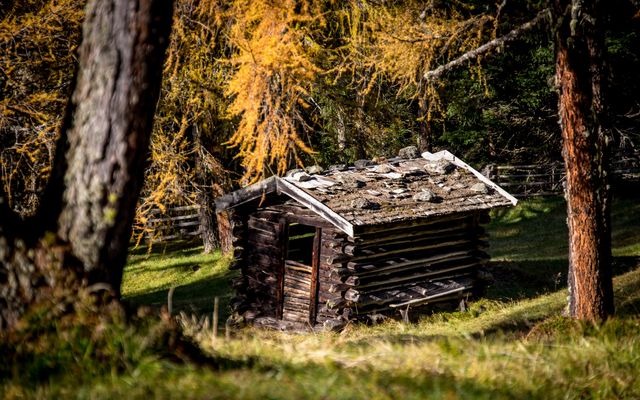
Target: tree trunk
<point x="206" y="212"/>
<point x="425" y="138"/>
<point x="81" y="232"/>
<point x="225" y="231"/>
<point x="342" y="132"/>
<point x="586" y="141"/>
<point x="208" y="226"/>
<point x="360" y="125"/>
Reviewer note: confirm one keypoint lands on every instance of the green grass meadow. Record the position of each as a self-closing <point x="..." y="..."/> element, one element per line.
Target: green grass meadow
<point x="198" y="278"/>
<point x="513" y="343"/>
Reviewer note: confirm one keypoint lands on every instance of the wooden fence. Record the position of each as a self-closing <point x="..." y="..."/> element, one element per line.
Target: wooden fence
<point x="173" y="224"/>
<point x="528" y="180"/>
<point x="548" y="179"/>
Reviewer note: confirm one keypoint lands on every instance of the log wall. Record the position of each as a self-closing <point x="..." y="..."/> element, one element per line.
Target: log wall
<point x="258" y="256"/>
<point x="383" y="269"/>
<point x="411" y="264"/>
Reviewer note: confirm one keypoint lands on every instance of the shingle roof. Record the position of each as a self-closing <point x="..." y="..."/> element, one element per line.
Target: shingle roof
<point x="391" y="191"/>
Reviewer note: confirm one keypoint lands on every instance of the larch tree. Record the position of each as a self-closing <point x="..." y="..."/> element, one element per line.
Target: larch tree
<point x="273" y="74"/>
<point x="186" y="165"/>
<point x="580" y="77"/>
<point x="80" y="233"/>
<point x="37" y="60"/>
<point x="397" y="41"/>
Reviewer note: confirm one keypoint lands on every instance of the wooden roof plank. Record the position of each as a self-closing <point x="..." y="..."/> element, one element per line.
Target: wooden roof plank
<point x="313" y="204"/>
<point x="446" y="155"/>
<point x="247" y="194"/>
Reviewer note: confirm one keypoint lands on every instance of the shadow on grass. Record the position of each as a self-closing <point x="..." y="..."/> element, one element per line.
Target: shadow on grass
<point x="630" y="307"/>
<point x="177" y="266"/>
<point x="194" y="298"/>
<point x="519" y="280"/>
<point x="161" y="249"/>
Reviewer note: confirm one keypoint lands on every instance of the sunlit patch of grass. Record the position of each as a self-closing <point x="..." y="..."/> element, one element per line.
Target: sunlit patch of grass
<point x="530" y="231"/>
<point x="537" y="230"/>
<point x="146" y="273"/>
<point x="629" y="250"/>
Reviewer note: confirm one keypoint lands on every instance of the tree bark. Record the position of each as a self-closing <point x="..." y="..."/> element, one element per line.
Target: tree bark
<point x="425" y="139"/>
<point x="360" y="126"/>
<point x="206" y="211"/>
<point x="81" y="232"/>
<point x="225" y="231"/>
<point x="579" y="41"/>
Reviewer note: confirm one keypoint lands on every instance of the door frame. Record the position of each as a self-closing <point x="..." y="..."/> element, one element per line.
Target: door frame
<point x="315" y="268"/>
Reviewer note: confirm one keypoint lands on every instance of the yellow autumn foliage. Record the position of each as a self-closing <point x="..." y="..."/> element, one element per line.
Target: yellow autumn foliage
<point x="37" y="43"/>
<point x="191" y="99"/>
<point x="399" y="41"/>
<point x="240" y="72"/>
<point x="273" y="73"/>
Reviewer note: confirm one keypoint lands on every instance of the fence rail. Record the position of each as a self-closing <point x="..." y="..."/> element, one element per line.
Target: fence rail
<point x="524" y="181"/>
<point x="174" y="223"/>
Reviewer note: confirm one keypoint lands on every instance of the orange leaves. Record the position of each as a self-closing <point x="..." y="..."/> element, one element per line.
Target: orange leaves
<point x="36" y="64"/>
<point x="272" y="75"/>
<point x="191" y="102"/>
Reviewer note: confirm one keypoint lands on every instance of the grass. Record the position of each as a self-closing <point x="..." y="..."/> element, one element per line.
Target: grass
<point x="529" y="245"/>
<point x="198" y="278"/>
<point x="512" y="344"/>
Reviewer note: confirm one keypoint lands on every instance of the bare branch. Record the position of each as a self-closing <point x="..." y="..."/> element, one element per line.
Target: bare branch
<point x="487" y="47"/>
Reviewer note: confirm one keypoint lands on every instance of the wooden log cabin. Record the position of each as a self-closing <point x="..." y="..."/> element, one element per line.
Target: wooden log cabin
<point x="354" y="243"/>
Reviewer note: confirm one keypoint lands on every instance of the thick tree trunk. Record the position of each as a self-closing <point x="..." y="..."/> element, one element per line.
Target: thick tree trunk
<point x="586" y="141"/>
<point x="82" y="229"/>
<point x="208" y="226"/>
<point x="225" y="232"/>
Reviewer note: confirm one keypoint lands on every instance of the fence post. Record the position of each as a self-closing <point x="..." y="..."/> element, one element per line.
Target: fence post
<point x="216" y="303"/>
<point x="170" y="300"/>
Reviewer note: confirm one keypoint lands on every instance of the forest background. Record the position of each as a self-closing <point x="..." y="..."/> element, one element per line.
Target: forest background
<point x="254" y="88"/>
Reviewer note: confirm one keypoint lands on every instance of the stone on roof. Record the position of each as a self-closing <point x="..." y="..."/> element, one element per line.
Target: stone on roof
<point x="394" y="190"/>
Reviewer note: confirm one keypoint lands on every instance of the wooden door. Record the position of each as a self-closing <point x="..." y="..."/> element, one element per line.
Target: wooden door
<point x="300" y="273"/>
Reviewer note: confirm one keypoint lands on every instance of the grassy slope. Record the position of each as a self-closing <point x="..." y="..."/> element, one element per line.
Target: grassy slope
<point x="511" y="344"/>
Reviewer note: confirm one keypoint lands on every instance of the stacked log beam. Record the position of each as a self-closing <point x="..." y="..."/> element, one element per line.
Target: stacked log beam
<point x="413" y="264"/>
<point x="258" y="255"/>
<point x="332" y="252"/>
<point x="238" y="303"/>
